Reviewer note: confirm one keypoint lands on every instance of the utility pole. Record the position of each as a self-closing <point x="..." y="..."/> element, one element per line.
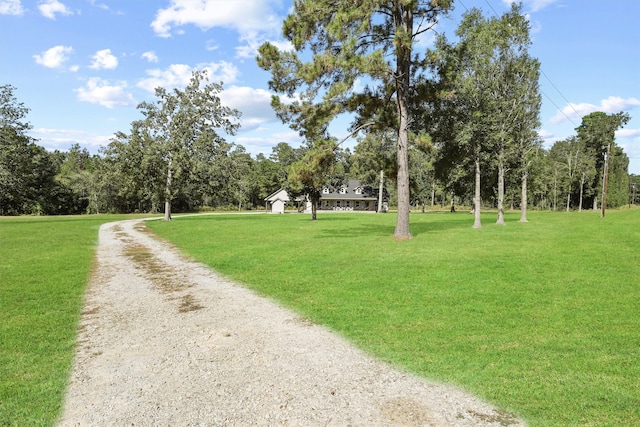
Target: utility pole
<point x="605" y="179"/>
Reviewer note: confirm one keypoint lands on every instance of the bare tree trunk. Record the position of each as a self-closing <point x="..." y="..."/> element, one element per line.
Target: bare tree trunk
<point x="476" y="199"/>
<point x="500" y="219"/>
<point x="167" y="192"/>
<point x="605" y="180"/>
<point x="403" y="18"/>
<point x="380" y="188"/>
<point x="582" y="179"/>
<point x="433" y="193"/>
<point x="555" y="190"/>
<point x="523" y="198"/>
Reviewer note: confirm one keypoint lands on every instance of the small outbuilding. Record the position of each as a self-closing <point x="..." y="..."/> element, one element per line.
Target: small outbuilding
<point x="277" y="201"/>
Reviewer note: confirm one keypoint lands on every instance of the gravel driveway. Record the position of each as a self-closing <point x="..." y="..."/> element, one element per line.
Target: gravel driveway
<point x="165" y="341"/>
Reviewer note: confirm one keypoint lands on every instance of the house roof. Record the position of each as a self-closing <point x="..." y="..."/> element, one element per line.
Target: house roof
<point x="366" y="192"/>
<point x="280" y="194"/>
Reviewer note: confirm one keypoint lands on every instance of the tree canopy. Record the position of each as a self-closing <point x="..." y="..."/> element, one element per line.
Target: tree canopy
<point x="435" y="122"/>
<point x="339" y="43"/>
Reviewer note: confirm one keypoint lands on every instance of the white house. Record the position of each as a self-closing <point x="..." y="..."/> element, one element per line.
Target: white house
<point x="276" y="202"/>
<point x="352" y="196"/>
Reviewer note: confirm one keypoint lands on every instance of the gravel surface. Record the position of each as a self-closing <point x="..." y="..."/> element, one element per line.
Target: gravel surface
<point x="165" y="341"/>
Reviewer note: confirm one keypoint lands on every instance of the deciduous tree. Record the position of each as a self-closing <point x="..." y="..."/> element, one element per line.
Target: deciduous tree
<point x="177" y="119"/>
<point x="596" y="132"/>
<point x="313" y="171"/>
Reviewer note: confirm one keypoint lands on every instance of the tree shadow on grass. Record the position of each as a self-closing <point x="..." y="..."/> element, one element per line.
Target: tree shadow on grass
<point x="424" y="226"/>
<point x="456" y="221"/>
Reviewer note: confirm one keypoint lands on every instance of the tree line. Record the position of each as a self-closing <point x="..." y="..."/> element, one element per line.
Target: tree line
<point x="456" y="125"/>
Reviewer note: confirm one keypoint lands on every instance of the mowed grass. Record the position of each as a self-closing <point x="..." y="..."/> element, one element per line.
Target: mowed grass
<point x="540" y="318"/>
<point x="45" y="264"/>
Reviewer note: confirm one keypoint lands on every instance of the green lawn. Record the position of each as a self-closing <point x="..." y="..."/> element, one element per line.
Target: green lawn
<point x="540" y="318"/>
<point x="44" y="266"/>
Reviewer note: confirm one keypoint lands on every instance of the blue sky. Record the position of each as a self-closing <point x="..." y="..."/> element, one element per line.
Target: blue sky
<point x="82" y="66"/>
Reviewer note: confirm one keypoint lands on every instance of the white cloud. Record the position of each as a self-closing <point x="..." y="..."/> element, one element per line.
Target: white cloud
<point x="103" y="59"/>
<point x="211" y="45"/>
<point x="548" y="138"/>
<point x="629" y="140"/>
<point x="99" y="5"/>
<point x="63" y="139"/>
<point x="532" y="5"/>
<point x="49" y="8"/>
<point x="267" y="140"/>
<point x="98" y="91"/>
<point x="150" y="56"/>
<point x="254" y="21"/>
<point x="54" y="57"/>
<point x="238" y="15"/>
<point x="628" y="133"/>
<point x="253" y="40"/>
<point x="178" y="75"/>
<point x="11" y="7"/>
<point x="255" y="105"/>
<point x="613" y="104"/>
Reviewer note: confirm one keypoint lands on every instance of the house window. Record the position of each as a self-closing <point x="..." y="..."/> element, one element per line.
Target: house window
<point x="343" y="190"/>
<point x="348" y="203"/>
<point x="325" y="190"/>
<point x="357" y="204"/>
<point x="358" y="190"/>
<point x="338" y="203"/>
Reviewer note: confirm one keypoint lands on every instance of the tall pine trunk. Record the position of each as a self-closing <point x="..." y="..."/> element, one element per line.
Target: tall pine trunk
<point x="500" y="219"/>
<point x="523" y="198"/>
<point x="167" y="191"/>
<point x="476" y="198"/>
<point x="403" y="18"/>
<point x="380" y="191"/>
<point x="582" y="179"/>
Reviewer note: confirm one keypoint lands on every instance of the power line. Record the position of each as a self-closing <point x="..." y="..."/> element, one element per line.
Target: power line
<point x="494" y="11"/>
<point x="547" y="77"/>
<point x="541" y="72"/>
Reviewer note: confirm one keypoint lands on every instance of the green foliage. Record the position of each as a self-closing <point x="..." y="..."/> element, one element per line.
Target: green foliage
<point x="313" y="171"/>
<point x="596" y="132"/>
<point x="534" y="317"/>
<point x="26" y="170"/>
<point x="44" y="267"/>
<point x="336" y="44"/>
<point x="180" y="125"/>
<point x="486" y="123"/>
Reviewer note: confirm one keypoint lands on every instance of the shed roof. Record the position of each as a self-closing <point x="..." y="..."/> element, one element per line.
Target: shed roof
<point x="280" y="194"/>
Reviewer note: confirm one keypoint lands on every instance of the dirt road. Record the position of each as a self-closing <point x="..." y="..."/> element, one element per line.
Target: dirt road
<point x="165" y="341"/>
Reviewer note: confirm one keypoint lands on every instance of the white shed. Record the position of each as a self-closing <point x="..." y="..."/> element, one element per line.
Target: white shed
<point x="276" y="202"/>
